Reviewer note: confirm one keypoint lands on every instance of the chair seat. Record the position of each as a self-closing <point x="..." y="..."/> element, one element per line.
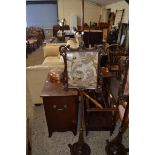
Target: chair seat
<point x="53" y="61"/>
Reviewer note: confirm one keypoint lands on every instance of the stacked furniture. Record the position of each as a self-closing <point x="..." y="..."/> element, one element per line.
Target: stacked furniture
<point x="56" y="28"/>
<point x="34" y="38"/>
<point x="35" y="33"/>
<point x="95" y="26"/>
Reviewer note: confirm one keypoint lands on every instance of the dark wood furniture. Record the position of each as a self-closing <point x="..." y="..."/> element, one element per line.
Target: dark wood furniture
<point x="115" y="146"/>
<point x="97" y="116"/>
<point x="100" y="26"/>
<point x="61" y="107"/>
<point x="101" y="119"/>
<point x="115" y="53"/>
<point x="107" y="75"/>
<point x="123" y="94"/>
<point x="35" y="34"/>
<point x="56" y="28"/>
<point x="80" y="147"/>
<point x="92" y="37"/>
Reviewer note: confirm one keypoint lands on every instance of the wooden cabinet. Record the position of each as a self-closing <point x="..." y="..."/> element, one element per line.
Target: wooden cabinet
<point x="101" y="119"/>
<point x="61" y="107"/>
<point x="56" y="28"/>
<point x="93" y="37"/>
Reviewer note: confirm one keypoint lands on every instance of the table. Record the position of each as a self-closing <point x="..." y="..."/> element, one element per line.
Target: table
<point x="61" y="107"/>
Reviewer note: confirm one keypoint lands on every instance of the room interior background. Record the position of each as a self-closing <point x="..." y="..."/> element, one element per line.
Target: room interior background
<point x="48" y="12"/>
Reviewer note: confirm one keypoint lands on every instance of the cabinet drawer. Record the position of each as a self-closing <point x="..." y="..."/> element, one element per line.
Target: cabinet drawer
<point x="60" y="103"/>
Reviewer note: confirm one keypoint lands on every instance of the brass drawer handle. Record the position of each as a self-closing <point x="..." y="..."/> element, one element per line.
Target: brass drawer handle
<point x="60" y="109"/>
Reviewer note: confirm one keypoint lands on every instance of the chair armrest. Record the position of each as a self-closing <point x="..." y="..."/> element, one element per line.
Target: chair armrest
<point x="35" y="78"/>
<point x="51" y="50"/>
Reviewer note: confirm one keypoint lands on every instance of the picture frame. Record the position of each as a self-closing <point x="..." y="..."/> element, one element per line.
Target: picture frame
<point x="81" y="67"/>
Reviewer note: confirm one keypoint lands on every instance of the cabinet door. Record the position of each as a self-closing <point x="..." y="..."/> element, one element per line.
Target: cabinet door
<point x="61" y="112"/>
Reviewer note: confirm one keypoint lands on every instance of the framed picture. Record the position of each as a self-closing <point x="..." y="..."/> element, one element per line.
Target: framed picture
<point x="81" y="67"/>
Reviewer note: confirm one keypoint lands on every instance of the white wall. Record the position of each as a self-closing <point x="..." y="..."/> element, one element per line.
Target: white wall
<point x="119" y="6"/>
<point x="67" y="8"/>
<point x="41" y="0"/>
<point x="103" y="19"/>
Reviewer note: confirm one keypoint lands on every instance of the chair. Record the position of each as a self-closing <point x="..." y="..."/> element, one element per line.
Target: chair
<point x="123" y="94"/>
<point x="115" y="146"/>
<point x="115" y="54"/>
<point x="82" y="72"/>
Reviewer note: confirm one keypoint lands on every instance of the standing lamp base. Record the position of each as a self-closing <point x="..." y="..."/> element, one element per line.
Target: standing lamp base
<point x="115" y="148"/>
<point x="79" y="149"/>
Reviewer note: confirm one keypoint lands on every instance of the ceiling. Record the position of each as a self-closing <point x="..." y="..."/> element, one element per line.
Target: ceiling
<point x="99" y="2"/>
<point x="105" y="2"/>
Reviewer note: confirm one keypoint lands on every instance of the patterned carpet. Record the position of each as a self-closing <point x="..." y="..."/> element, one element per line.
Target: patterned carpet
<point x="58" y="143"/>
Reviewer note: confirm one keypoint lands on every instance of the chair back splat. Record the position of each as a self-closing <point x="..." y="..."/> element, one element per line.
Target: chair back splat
<point x="115" y="54"/>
